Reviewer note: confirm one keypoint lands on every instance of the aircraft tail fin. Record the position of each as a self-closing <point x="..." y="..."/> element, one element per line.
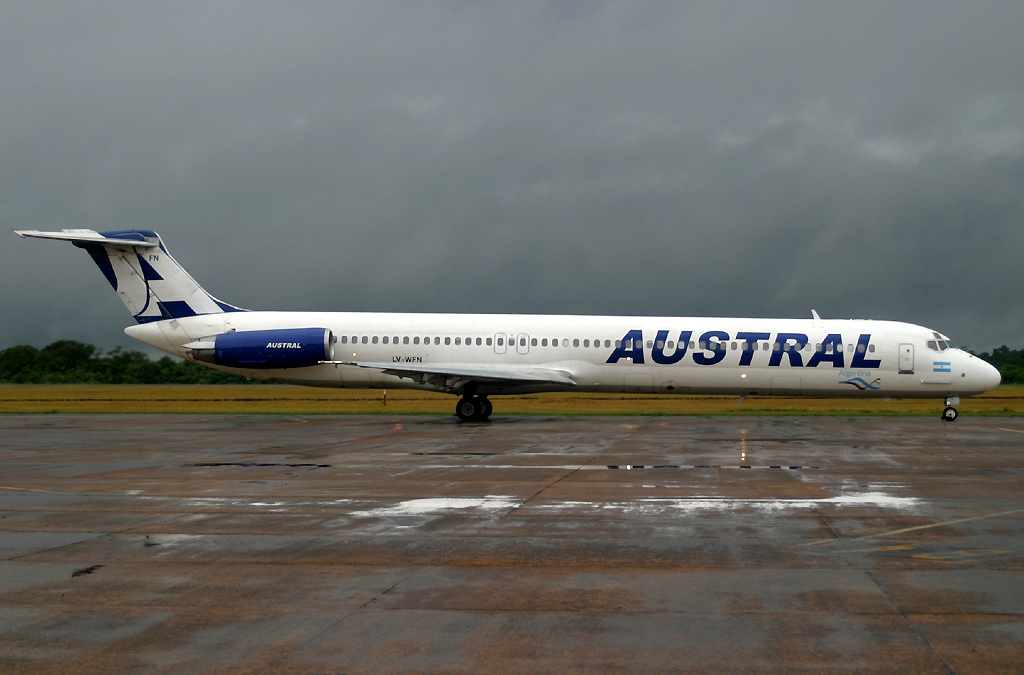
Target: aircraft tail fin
<point x="151" y="283"/>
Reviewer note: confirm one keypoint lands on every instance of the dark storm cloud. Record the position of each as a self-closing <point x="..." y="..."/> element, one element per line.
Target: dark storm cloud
<point x="760" y="159"/>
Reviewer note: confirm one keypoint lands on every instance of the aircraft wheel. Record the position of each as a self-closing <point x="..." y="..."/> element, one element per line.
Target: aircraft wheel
<point x="466" y="409"/>
<point x="485" y="407"/>
<point x="949" y="414"/>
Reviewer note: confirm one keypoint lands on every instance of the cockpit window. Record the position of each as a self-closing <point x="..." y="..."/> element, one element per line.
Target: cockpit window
<point x="932" y="345"/>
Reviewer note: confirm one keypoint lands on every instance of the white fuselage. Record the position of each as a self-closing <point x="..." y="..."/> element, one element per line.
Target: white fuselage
<point x="615" y="353"/>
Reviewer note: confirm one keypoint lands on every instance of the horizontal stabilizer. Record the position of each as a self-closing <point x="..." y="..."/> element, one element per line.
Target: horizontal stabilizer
<point x="87" y="237"/>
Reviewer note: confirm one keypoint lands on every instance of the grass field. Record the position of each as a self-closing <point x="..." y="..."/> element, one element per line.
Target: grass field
<point x="283" y="399"/>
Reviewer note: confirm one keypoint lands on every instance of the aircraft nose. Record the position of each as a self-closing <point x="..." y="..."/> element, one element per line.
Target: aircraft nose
<point x="992" y="377"/>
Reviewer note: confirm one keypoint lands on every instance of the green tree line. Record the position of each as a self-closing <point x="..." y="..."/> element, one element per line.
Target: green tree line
<point x="1010" y="363"/>
<point x="70" y="362"/>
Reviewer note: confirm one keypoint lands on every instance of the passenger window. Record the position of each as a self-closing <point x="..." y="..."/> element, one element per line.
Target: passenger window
<point x="374" y="340"/>
<point x="522" y="342"/>
<point x="575" y="342"/>
<point x="478" y="342"/>
<point x="776" y="347"/>
<point x="405" y="340"/>
<point x="533" y="342"/>
<point x="415" y="340"/>
<point x="671" y="345"/>
<point x="608" y="344"/>
<point x="447" y="340"/>
<point x="660" y="344"/>
<point x="458" y="341"/>
<point x="394" y="340"/>
<point x="586" y="343"/>
<point x="649" y="344"/>
<point x="691" y="344"/>
<point x="364" y="340"/>
<point x="871" y="348"/>
<point x="733" y="346"/>
<point x="618" y="344"/>
<point x="437" y="341"/>
<point x="344" y="339"/>
<point x="500" y="342"/>
<point x="385" y="339"/>
<point x="469" y="341"/>
<point x="544" y="342"/>
<point x="703" y="345"/>
<point x="861" y="348"/>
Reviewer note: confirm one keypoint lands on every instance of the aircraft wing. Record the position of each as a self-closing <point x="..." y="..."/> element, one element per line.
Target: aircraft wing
<point x="453" y="376"/>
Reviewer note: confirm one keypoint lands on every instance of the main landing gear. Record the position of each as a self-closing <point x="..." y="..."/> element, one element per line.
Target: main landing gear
<point x="473" y="408"/>
<point x="950" y="414"/>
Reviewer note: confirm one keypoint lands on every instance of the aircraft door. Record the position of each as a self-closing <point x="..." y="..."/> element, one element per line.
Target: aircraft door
<point x="523" y="343"/>
<point x="906" y="358"/>
<point x="499" y="343"/>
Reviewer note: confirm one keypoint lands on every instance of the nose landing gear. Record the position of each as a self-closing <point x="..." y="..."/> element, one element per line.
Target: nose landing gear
<point x="473" y="409"/>
<point x="950" y="414"/>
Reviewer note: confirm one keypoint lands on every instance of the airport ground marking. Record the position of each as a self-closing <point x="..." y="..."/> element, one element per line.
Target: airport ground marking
<point x="1016" y="431"/>
<point x="913" y="529"/>
<point x="18" y="489"/>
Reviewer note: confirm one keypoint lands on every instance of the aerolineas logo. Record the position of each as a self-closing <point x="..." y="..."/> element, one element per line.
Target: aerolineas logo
<point x="284" y="345"/>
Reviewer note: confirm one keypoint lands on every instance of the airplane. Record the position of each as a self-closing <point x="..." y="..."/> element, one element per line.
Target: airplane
<point x="476" y="356"/>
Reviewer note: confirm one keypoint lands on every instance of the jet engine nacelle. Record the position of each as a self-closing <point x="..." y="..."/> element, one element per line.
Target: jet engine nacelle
<point x="281" y="348"/>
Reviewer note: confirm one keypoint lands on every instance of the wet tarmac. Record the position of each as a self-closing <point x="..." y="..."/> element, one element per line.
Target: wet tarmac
<point x="264" y="544"/>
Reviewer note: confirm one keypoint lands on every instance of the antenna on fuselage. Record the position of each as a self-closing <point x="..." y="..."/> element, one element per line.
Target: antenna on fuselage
<point x="814" y="315"/>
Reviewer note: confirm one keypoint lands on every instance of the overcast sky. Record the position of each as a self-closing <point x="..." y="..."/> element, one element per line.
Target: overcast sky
<point x="759" y="159"/>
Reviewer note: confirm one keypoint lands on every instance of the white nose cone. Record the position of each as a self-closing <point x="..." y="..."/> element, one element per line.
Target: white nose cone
<point x="992" y="377"/>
